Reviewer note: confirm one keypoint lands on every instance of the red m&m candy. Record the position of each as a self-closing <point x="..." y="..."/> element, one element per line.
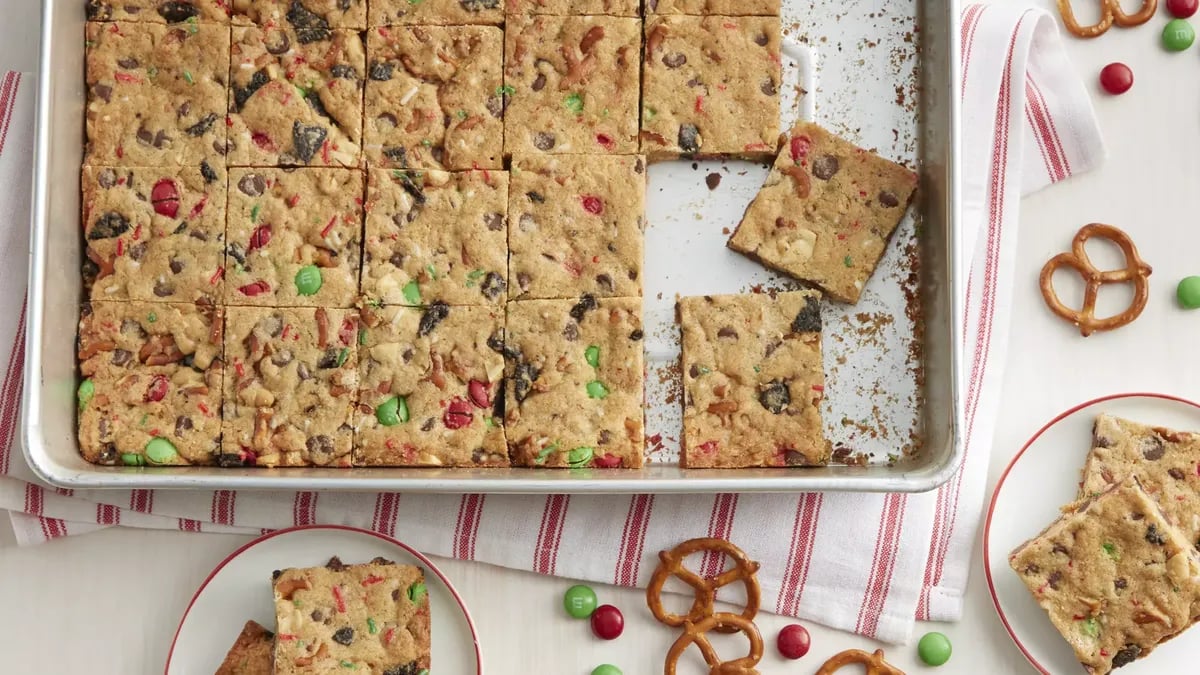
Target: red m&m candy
<point x="1182" y="9"/>
<point x="1116" y="78"/>
<point x="607" y="622"/>
<point x="793" y="641"/>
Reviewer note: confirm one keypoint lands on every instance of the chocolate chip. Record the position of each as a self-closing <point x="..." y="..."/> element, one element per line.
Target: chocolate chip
<point x="493" y="286"/>
<point x="410" y="668"/>
<point x="398" y="154"/>
<point x="889" y="199"/>
<point x="1176" y="473"/>
<point x="182" y="423"/>
<point x="176" y="12"/>
<point x="605" y="283"/>
<point x="571" y="332"/>
<point x="202" y="127"/>
<point x="825" y="167"/>
<point x="1031" y="569"/>
<point x="102" y="91"/>
<point x="523" y="376"/>
<point x="252" y="185"/>
<point x="320" y="447"/>
<point x="97" y="10"/>
<point x="302" y="371"/>
<point x="307" y="139"/>
<point x="282" y="357"/>
<point x="775" y="397"/>
<point x="727" y="332"/>
<point x="120" y="357"/>
<point x="381" y="72"/>
<point x="636" y="334"/>
<point x="428" y="424"/>
<point x="694" y="371"/>
<point x="494" y="221"/>
<point x="160" y="139"/>
<point x="137" y="251"/>
<point x="396" y="260"/>
<point x="228" y="460"/>
<point x="243" y="94"/>
<point x="344" y="72"/>
<point x="1059" y="548"/>
<point x="207" y="172"/>
<point x="107" y="226"/>
<point x="329" y="359"/>
<point x="761" y="39"/>
<point x="176" y="265"/>
<point x="539" y="82"/>
<point x="1154" y="536"/>
<point x="712" y="180"/>
<point x="478" y="5"/>
<point x="1054" y="578"/>
<point x="106" y="178"/>
<point x="235" y="251"/>
<point x="535" y="197"/>
<point x="543" y="140"/>
<point x="433" y="315"/>
<point x="689" y="138"/>
<point x="344" y="636"/>
<point x="674" y="59"/>
<point x="768" y="87"/>
<point x="1152" y="448"/>
<point x="309" y="27"/>
<point x="1120" y="584"/>
<point x="335" y="563"/>
<point x="795" y="458"/>
<point x="128" y="63"/>
<point x="495" y="106"/>
<point x="585" y="304"/>
<point x="277" y="42"/>
<point x="523" y="280"/>
<point x="317" y="615"/>
<point x="1127" y="655"/>
<point x="809" y="318"/>
<point x="164" y="289"/>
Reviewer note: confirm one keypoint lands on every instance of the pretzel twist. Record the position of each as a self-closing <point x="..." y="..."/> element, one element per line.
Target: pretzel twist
<point x="1136" y="271"/>
<point x="744" y="570"/>
<point x="697" y="634"/>
<point x="1110" y="12"/>
<point x="874" y="663"/>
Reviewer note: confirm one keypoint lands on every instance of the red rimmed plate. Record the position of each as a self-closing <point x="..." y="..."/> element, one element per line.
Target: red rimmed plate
<point x="240" y="589"/>
<point x="1043" y="477"/>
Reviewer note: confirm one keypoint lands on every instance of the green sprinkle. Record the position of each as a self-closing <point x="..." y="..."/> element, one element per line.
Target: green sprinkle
<point x="298" y="603"/>
<point x="1111" y="550"/>
<point x="1090" y="627"/>
<point x="142" y="422"/>
<point x="574" y="103"/>
<point x="592" y="354"/>
<point x="506" y="90"/>
<point x="161" y="451"/>
<point x="461" y="114"/>
<point x="375" y="302"/>
<point x="604" y="113"/>
<point x="580" y="457"/>
<point x="192" y="27"/>
<point x="427" y="143"/>
<point x="132" y="459"/>
<point x="392" y="411"/>
<point x="371" y="627"/>
<point x="649" y="114"/>
<point x="848" y="261"/>
<point x="489" y="422"/>
<point x="414" y="2"/>
<point x="596" y="389"/>
<point x="87" y="389"/>
<point x="757" y="369"/>
<point x="254" y="213"/>
<point x="432" y="271"/>
<point x="151" y="72"/>
<point x="893" y="457"/>
<point x="308" y="280"/>
<point x="474" y="277"/>
<point x="347" y="664"/>
<point x="412" y="293"/>
<point x="703" y="370"/>
<point x="416" y="592"/>
<point x="362" y="336"/>
<point x="152" y="317"/>
<point x="343" y="355"/>
<point x="545" y="453"/>
<point x="187" y="75"/>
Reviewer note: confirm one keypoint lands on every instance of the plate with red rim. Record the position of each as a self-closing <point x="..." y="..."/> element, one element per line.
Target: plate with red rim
<point x="1042" y="477"/>
<point x="239" y="589"/>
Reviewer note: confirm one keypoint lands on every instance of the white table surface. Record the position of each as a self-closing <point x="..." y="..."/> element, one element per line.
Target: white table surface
<point x="109" y="602"/>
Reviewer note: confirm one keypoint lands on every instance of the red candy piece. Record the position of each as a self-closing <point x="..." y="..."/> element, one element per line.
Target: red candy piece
<point x="593" y="205"/>
<point x="607" y="622"/>
<point x="458" y="414"/>
<point x="1182" y="9"/>
<point x="478" y="391"/>
<point x="799" y="147"/>
<point x="793" y="641"/>
<point x="609" y="461"/>
<point x="259" y="238"/>
<point x="165" y="197"/>
<point x="157" y="390"/>
<point x="256" y="288"/>
<point x="1116" y="78"/>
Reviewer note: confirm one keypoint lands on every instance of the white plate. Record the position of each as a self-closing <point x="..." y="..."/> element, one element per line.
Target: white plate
<point x="1042" y="477"/>
<point x="240" y="589"/>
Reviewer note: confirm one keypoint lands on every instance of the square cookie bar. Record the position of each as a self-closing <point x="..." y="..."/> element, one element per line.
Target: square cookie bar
<point x="436" y="13"/>
<point x="572" y="84"/>
<point x="434" y="97"/>
<point x="575" y="380"/>
<point x="251" y="653"/>
<point x="154" y="234"/>
<point x="1165" y="463"/>
<point x="293" y="237"/>
<point x="826" y="212"/>
<point x="370" y="618"/>
<point x="753" y="381"/>
<point x="152" y="387"/>
<point x="720" y="7"/>
<point x="1115" y="577"/>
<point x="434" y="236"/>
<point x="431" y="387"/>
<point x="290" y="379"/>
<point x="573" y="7"/>
<point x="156" y="94"/>
<point x="576" y="226"/>
<point x="312" y="19"/>
<point x="294" y="101"/>
<point x="159" y="11"/>
<point x="710" y="86"/>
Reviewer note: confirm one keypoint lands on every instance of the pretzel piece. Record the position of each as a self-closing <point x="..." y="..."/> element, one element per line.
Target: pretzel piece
<point x="744" y="570"/>
<point x="874" y="663"/>
<point x="1095" y="30"/>
<point x="1144" y="14"/>
<point x="697" y="634"/>
<point x="1136" y="271"/>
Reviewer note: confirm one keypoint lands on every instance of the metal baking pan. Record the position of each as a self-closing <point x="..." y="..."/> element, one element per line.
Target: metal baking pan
<point x="884" y="74"/>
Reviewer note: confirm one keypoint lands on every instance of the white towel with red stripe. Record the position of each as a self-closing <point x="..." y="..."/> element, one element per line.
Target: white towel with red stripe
<point x="865" y="563"/>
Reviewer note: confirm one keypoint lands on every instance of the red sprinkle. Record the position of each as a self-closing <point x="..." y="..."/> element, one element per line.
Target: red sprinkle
<point x="606" y="141"/>
<point x="818" y="387"/>
<point x="199" y="207"/>
<point x="371" y="580"/>
<point x="337" y="597"/>
<point x="137" y="232"/>
<point x="699" y="104"/>
<point x="126" y="77"/>
<point x="391" y="632"/>
<point x="157" y="390"/>
<point x="120" y="151"/>
<point x="263" y="141"/>
<point x="325" y="152"/>
<point x="120" y="247"/>
<point x="285" y="636"/>
<point x="328" y="227"/>
<point x="799" y="147"/>
<point x="709" y="447"/>
<point x="260" y="237"/>
<point x="165" y="197"/>
<point x="479" y="392"/>
<point x="217" y="275"/>
<point x="293" y="200"/>
<point x="256" y="288"/>
<point x="237" y="366"/>
<point x="593" y="205"/>
<point x="458" y="414"/>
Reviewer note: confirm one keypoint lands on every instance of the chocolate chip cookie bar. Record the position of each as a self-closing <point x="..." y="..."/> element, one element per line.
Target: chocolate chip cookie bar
<point x="251" y="653"/>
<point x="154" y="234"/>
<point x="152" y="387"/>
<point x="156" y="93"/>
<point x="294" y="101"/>
<point x="719" y="7"/>
<point x="1165" y="462"/>
<point x="1115" y="577"/>
<point x="576" y="226"/>
<point x="434" y="236"/>
<point x="431" y="387"/>
<point x="434" y="97"/>
<point x="293" y="237"/>
<point x="753" y="381"/>
<point x="710" y="86"/>
<point x="572" y="84"/>
<point x="574" y="383"/>
<point x="573" y="7"/>
<point x="290" y="379"/>
<point x="159" y="11"/>
<point x="312" y="19"/>
<point x="371" y="618"/>
<point x="826" y="212"/>
<point x="436" y="12"/>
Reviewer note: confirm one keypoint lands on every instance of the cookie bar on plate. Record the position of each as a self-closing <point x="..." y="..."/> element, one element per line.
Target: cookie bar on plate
<point x="826" y="212"/>
<point x="430" y="387"/>
<point x="372" y="618"/>
<point x="159" y="11"/>
<point x="152" y="393"/>
<point x="573" y="7"/>
<point x="721" y="7"/>
<point x="311" y="19"/>
<point x="251" y="653"/>
<point x="710" y="86"/>
<point x="574" y="375"/>
<point x="1114" y="575"/>
<point x="435" y="12"/>
<point x="753" y="381"/>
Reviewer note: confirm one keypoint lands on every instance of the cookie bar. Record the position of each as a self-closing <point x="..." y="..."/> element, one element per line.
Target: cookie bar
<point x="431" y="387"/>
<point x="152" y="387"/>
<point x="312" y="19"/>
<point x="826" y="212"/>
<point x="290" y="378"/>
<point x="574" y="383"/>
<point x="372" y="618"/>
<point x="293" y="237"/>
<point x="719" y="7"/>
<point x="294" y="101"/>
<point x="576" y="226"/>
<point x="572" y="84"/>
<point x="434" y="97"/>
<point x="156" y="93"/>
<point x="159" y="11"/>
<point x="710" y="86"/>
<point x="436" y="236"/>
<point x="573" y="7"/>
<point x="1115" y="577"/>
<point x="753" y="381"/>
<point x="1163" y="460"/>
<point x="436" y="12"/>
<point x="154" y="234"/>
<point x="251" y="653"/>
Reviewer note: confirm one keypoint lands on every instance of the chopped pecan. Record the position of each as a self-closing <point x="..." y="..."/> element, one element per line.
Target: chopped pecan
<point x="800" y="181"/>
<point x="322" y="327"/>
<point x="723" y="407"/>
<point x="287" y="587"/>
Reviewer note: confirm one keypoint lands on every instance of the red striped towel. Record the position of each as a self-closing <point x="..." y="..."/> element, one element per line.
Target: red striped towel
<point x="865" y="563"/>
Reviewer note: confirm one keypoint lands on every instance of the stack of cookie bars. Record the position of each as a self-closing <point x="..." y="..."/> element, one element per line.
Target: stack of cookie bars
<point x="390" y="232"/>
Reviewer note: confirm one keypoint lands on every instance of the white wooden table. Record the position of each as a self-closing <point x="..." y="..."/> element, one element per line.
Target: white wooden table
<point x="109" y="602"/>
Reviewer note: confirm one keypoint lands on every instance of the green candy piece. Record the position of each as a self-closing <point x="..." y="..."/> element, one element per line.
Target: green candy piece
<point x="87" y="389"/>
<point x="392" y="411"/>
<point x="161" y="451"/>
<point x="580" y="601"/>
<point x="308" y="280"/>
<point x="412" y="293"/>
<point x="416" y="592"/>
<point x="606" y="669"/>
<point x="132" y="459"/>
<point x="934" y="649"/>
<point x="580" y="457"/>
<point x="596" y="389"/>
<point x="1178" y="35"/>
<point x="592" y="354"/>
<point x="1188" y="293"/>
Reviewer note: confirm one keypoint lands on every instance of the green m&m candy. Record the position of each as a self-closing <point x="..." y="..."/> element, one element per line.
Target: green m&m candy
<point x="161" y="451"/>
<point x="1178" y="35"/>
<point x="392" y="411"/>
<point x="85" y="393"/>
<point x="934" y="649"/>
<point x="132" y="459"/>
<point x="1188" y="293"/>
<point x="580" y="601"/>
<point x="606" y="669"/>
<point x="308" y="280"/>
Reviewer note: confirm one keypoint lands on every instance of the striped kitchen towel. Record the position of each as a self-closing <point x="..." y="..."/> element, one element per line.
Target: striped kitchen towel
<point x="865" y="563"/>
